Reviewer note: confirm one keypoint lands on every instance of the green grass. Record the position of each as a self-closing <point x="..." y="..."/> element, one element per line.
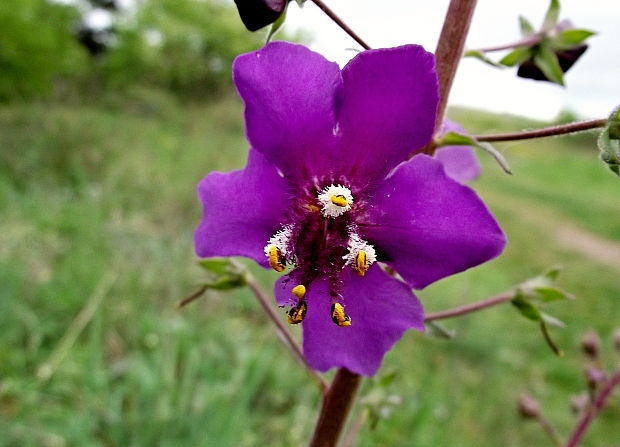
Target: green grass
<point x="99" y="202"/>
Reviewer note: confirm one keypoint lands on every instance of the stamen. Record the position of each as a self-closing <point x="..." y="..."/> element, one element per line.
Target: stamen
<point x="299" y="291"/>
<point x="297" y="314"/>
<point x="336" y="200"/>
<point x="361" y="254"/>
<point x="339" y="200"/>
<point x="276" y="260"/>
<point x="277" y="249"/>
<point x="339" y="316"/>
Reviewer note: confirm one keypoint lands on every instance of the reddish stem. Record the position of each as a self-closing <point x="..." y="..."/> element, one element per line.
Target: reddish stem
<point x="561" y="129"/>
<point x="332" y="15"/>
<point x="337" y="404"/>
<point x="469" y="308"/>
<point x="598" y="404"/>
<point x="528" y="41"/>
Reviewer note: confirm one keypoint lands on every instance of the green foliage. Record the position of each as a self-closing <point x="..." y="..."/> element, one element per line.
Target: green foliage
<point x="36" y="47"/>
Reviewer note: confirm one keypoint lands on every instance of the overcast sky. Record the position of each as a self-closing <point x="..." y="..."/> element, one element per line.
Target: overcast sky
<point x="593" y="84"/>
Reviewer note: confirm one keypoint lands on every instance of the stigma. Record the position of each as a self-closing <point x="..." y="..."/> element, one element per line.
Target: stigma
<point x="277" y="249"/>
<point x="339" y="316"/>
<point x="361" y="254"/>
<point x="336" y="200"/>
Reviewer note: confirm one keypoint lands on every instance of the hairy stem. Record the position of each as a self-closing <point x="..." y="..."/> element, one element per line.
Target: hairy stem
<point x="332" y="15"/>
<point x="469" y="308"/>
<point x="282" y="330"/>
<point x="449" y="53"/>
<point x="599" y="403"/>
<point x="528" y="41"/>
<point x="561" y="129"/>
<point x="337" y="404"/>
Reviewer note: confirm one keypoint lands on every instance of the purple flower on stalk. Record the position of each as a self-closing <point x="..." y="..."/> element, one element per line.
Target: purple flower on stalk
<point x="324" y="191"/>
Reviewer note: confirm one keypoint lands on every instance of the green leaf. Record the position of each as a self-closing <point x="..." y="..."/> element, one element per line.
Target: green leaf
<point x="481" y="56"/>
<point x="552" y="15"/>
<point x="438" y="330"/>
<point x="516" y="57"/>
<point x="547" y="61"/>
<point x="275" y="26"/>
<point x="609" y="142"/>
<point x="226" y="282"/>
<point x="542" y="288"/>
<point x="526" y="27"/>
<point x="228" y="275"/>
<point x="456" y="139"/>
<point x="526" y="308"/>
<point x="570" y="38"/>
<point x="552" y="320"/>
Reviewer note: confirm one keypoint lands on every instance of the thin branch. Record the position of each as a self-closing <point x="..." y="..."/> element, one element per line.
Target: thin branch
<point x="193" y="297"/>
<point x="332" y="15"/>
<point x="282" y="330"/>
<point x="550" y="430"/>
<point x="469" y="308"/>
<point x="337" y="404"/>
<point x="449" y="53"/>
<point x="561" y="129"/>
<point x="588" y="416"/>
<point x="528" y="41"/>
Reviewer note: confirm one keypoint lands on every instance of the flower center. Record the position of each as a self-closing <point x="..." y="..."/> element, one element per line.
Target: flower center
<point x="320" y="245"/>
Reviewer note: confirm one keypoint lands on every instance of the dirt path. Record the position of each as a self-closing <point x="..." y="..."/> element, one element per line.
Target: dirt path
<point x="566" y="233"/>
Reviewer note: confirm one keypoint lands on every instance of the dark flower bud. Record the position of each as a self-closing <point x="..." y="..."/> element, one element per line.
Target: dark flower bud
<point x="566" y="59"/>
<point x="528" y="407"/>
<point x="579" y="403"/>
<point x="590" y="344"/>
<point x="258" y="13"/>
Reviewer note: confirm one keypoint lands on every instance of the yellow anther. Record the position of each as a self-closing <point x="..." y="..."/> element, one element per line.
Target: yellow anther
<point x="361" y="263"/>
<point x="299" y="291"/>
<point x="339" y="316"/>
<point x="276" y="260"/>
<point x="339" y="200"/>
<point x="297" y="314"/>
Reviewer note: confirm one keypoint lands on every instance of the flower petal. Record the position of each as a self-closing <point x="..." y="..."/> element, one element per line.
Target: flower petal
<point x="388" y="110"/>
<point x="459" y="162"/>
<point x="427" y="226"/>
<point x="381" y="308"/>
<point x="241" y="210"/>
<point x="290" y="95"/>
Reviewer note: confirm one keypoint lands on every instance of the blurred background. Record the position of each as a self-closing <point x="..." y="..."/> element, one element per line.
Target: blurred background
<point x="110" y="113"/>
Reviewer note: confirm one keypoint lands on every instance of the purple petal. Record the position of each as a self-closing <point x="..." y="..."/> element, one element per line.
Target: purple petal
<point x="290" y="95"/>
<point x="388" y="109"/>
<point x="459" y="162"/>
<point x="381" y="308"/>
<point x="241" y="210"/>
<point x="428" y="226"/>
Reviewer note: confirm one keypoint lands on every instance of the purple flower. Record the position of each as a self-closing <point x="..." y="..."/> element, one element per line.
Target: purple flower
<point x="324" y="191"/>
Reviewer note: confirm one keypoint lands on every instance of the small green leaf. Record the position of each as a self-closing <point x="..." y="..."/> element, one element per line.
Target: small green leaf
<point x="609" y="142"/>
<point x="553" y="321"/>
<point x="226" y="282"/>
<point x="516" y="57"/>
<point x="570" y="38"/>
<point x="219" y="266"/>
<point x="481" y="56"/>
<point x="438" y="330"/>
<point x="526" y="27"/>
<point x="552" y="15"/>
<point x="275" y="26"/>
<point x="547" y="61"/>
<point x="526" y="308"/>
<point x="542" y="288"/>
<point x="456" y="139"/>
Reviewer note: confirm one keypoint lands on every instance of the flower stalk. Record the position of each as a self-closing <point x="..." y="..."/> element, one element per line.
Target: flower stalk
<point x="588" y="416"/>
<point x="449" y="53"/>
<point x="332" y="15"/>
<point x="469" y="308"/>
<point x="337" y="404"/>
<point x="561" y="129"/>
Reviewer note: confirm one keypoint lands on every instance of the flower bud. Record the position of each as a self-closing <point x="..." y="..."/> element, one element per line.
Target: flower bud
<point x="528" y="407"/>
<point x="594" y="376"/>
<point x="579" y="403"/>
<point x="591" y="344"/>
<point x="258" y="13"/>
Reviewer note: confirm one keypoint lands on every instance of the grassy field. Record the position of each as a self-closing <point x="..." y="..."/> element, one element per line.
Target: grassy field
<point x="97" y="211"/>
